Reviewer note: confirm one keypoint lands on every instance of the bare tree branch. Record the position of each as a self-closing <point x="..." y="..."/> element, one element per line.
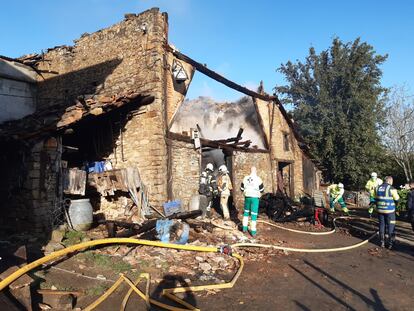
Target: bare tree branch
<point x="398" y="135"/>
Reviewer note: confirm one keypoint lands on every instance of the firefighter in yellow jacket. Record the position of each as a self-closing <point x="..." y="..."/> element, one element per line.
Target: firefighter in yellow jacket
<point x="372" y="184"/>
<point x="224" y="187"/>
<point x="336" y="192"/>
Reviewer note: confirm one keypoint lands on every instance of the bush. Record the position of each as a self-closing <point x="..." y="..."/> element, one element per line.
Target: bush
<point x="402" y="203"/>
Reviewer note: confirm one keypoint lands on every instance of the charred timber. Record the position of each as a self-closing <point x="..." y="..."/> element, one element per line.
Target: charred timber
<point x="214" y="145"/>
<point x="215" y="76"/>
<point x="132" y="228"/>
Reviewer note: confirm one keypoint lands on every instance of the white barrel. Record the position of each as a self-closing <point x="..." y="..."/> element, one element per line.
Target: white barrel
<point x="198" y="202"/>
<point x="81" y="214"/>
<point x="194" y="203"/>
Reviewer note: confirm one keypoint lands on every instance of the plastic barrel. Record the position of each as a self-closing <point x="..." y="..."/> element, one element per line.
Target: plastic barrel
<point x="198" y="202"/>
<point x="81" y="214"/>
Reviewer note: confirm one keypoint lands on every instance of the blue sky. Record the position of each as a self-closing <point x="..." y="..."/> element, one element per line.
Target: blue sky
<point x="244" y="40"/>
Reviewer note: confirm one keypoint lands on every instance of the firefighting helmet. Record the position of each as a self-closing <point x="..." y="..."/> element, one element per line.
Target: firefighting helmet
<point x="374" y="175"/>
<point x="341" y="185"/>
<point x="223" y="169"/>
<point x="210" y="167"/>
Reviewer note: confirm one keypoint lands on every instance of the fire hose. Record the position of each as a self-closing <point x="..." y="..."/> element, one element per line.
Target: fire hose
<point x="170" y="291"/>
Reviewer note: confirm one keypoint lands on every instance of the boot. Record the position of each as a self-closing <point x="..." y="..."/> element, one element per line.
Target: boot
<point x="208" y="214"/>
<point x="391" y="243"/>
<point x="382" y="242"/>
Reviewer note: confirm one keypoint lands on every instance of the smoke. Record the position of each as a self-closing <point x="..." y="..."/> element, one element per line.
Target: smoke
<point x="220" y="120"/>
<point x="215" y="157"/>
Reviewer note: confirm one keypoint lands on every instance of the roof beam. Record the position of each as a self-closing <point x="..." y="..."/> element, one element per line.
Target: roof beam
<point x="219" y="78"/>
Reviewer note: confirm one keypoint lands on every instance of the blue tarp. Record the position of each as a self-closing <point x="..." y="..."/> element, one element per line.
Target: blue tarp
<point x="167" y="227"/>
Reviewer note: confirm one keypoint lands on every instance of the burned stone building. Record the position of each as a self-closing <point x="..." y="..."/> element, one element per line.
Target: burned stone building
<point x="113" y="98"/>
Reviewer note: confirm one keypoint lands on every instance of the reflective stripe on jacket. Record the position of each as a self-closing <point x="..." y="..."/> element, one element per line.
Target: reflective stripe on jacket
<point x="385" y="198"/>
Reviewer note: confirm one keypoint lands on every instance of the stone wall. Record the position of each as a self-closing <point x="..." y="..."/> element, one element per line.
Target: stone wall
<point x="185" y="164"/>
<point x="242" y="163"/>
<point x="128" y="56"/>
<point x="39" y="188"/>
<point x="273" y="118"/>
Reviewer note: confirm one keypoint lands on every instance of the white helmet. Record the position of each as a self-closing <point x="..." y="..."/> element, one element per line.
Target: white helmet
<point x="374" y="175"/>
<point x="210" y="167"/>
<point x="223" y="169"/>
<point x="341" y="185"/>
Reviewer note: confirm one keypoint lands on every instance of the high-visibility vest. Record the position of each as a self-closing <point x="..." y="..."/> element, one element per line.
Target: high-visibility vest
<point x="385" y="199"/>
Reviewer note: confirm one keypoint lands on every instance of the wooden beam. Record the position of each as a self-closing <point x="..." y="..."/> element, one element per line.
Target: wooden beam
<point x="219" y="78"/>
<point x="213" y="144"/>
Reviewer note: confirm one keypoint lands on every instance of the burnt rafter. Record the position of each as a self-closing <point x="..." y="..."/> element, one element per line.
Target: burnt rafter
<point x="219" y="78"/>
<point x="240" y="146"/>
<point x="58" y="117"/>
<point x="215" y="76"/>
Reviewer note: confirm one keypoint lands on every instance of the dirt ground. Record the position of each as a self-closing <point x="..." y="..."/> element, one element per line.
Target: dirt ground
<point x="365" y="278"/>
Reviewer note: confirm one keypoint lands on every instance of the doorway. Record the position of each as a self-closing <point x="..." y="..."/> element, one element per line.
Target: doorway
<point x="218" y="157"/>
<point x="285" y="177"/>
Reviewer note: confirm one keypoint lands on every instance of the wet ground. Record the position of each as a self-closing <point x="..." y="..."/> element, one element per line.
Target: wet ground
<point x="365" y="278"/>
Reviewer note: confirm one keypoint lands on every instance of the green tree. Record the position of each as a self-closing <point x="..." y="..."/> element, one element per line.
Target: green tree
<point x="338" y="102"/>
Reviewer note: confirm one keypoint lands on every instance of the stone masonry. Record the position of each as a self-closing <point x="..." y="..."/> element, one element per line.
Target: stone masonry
<point x="131" y="56"/>
<point x="185" y="163"/>
<point x="128" y="56"/>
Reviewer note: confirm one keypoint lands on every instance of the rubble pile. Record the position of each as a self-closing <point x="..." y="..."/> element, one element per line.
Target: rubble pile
<point x="194" y="267"/>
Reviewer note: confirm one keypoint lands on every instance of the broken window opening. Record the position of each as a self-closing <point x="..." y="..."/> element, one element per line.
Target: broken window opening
<point x="286" y="138"/>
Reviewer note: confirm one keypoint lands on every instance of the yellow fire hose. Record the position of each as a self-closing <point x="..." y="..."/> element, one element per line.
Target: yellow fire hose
<point x="84" y="245"/>
<point x="169" y="292"/>
<point x="308" y="250"/>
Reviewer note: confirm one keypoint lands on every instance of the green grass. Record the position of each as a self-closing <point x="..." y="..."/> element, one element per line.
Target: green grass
<point x="121" y="266"/>
<point x="73" y="237"/>
<point x="105" y="261"/>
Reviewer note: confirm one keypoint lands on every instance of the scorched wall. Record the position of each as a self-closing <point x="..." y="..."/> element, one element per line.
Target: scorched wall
<point x="128" y="56"/>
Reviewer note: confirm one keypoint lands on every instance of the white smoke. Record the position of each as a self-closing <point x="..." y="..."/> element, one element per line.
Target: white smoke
<point x="220" y="120"/>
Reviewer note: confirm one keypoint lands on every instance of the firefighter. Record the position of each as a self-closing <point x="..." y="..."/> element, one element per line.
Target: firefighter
<point x="208" y="187"/>
<point x="252" y="188"/>
<point x="224" y="188"/>
<point x="386" y="198"/>
<point x="336" y="192"/>
<point x="371" y="187"/>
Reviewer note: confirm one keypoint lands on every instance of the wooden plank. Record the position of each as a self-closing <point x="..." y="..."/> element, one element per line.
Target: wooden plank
<point x="212" y="144"/>
<point x="59" y="292"/>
